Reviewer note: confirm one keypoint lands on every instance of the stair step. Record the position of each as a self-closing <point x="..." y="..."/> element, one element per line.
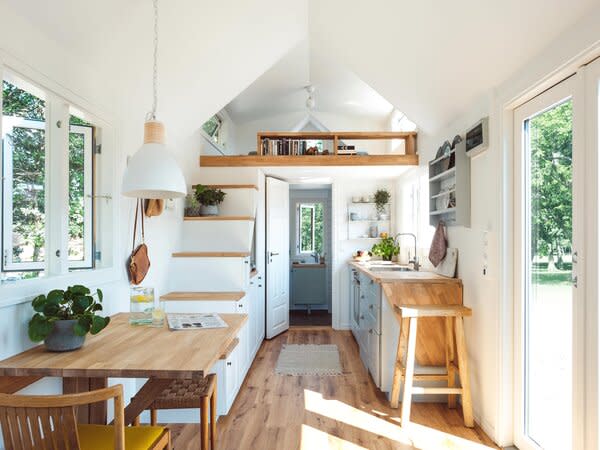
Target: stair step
<point x="210" y="254"/>
<point x="231" y="186"/>
<point x="216" y="218"/>
<point x="225" y="296"/>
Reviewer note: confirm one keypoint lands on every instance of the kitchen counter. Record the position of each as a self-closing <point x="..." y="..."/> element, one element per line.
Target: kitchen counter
<point x="308" y="265"/>
<point x="417" y="288"/>
<point x="407" y="276"/>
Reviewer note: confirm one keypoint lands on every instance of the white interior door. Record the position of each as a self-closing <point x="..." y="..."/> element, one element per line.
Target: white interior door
<point x="548" y="242"/>
<point x="278" y="256"/>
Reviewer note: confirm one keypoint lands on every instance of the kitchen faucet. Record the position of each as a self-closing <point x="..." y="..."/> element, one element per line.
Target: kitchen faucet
<point x="415" y="260"/>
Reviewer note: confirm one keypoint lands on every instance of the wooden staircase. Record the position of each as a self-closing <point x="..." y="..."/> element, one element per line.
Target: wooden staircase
<point x="211" y="273"/>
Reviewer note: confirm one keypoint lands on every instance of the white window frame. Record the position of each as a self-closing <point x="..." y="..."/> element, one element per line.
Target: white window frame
<point x="299" y="250"/>
<point x="217" y="133"/>
<point x="107" y="186"/>
<point x="88" y="197"/>
<point x="8" y="265"/>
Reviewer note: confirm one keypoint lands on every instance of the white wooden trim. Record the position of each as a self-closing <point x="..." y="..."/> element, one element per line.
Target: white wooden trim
<point x="588" y="273"/>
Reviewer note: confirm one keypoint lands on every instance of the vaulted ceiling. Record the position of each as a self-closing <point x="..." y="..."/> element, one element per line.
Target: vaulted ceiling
<point x="428" y="58"/>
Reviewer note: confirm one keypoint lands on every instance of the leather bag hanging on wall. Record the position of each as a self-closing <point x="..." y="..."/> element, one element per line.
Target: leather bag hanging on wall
<point x="138" y="264"/>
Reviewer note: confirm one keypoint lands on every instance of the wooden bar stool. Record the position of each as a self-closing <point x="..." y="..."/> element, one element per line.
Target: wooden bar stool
<point x="183" y="394"/>
<point x="455" y="350"/>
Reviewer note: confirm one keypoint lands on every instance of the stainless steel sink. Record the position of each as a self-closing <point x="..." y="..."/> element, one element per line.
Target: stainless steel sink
<point x="390" y="269"/>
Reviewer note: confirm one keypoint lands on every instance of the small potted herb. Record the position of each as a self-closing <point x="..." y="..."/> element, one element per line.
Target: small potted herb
<point x="386" y="248"/>
<point x="63" y="318"/>
<point x="382" y="198"/>
<point x="209" y="199"/>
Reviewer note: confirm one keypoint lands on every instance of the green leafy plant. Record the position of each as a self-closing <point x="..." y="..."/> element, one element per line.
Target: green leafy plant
<point x="76" y="303"/>
<point x="208" y="196"/>
<point x="382" y="198"/>
<point x="386" y="248"/>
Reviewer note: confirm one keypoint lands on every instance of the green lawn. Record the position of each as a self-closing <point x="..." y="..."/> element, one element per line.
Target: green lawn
<point x="555" y="278"/>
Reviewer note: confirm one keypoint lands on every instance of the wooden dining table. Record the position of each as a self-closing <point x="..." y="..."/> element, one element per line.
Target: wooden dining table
<point x="124" y="351"/>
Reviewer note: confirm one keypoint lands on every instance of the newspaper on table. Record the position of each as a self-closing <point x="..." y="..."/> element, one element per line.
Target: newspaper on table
<point x="195" y="321"/>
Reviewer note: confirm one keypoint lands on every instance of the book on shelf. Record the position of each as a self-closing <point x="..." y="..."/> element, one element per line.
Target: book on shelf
<point x="284" y="147"/>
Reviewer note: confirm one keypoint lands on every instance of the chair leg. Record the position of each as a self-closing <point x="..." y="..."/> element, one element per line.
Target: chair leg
<point x="463" y="372"/>
<point x="204" y="424"/>
<point x="399" y="365"/>
<point x="450" y="357"/>
<point x="153" y="417"/>
<point x="410" y="370"/>
<point x="213" y="419"/>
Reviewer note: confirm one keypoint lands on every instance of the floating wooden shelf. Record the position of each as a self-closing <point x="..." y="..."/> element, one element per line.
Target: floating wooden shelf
<point x="197" y="296"/>
<point x="231" y="186"/>
<point x="308" y="160"/>
<point x="210" y="254"/>
<point x="216" y="218"/>
<point x="409" y="137"/>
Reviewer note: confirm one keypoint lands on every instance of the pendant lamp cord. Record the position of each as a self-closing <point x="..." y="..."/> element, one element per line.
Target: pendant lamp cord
<point x="152" y="115"/>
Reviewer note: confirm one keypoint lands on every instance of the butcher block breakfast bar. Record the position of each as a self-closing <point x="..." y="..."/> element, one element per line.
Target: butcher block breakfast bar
<point x="388" y="301"/>
<point x="125" y="351"/>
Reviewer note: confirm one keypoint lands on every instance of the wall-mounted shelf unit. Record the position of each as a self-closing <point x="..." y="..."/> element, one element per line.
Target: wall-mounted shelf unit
<point x="361" y="216"/>
<point x="450" y="188"/>
<point x="290" y="148"/>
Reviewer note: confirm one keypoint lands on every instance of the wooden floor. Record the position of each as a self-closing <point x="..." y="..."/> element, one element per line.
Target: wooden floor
<point x="316" y="413"/>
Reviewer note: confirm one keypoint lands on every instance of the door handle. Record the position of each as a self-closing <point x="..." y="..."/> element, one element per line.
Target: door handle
<point x="273" y="254"/>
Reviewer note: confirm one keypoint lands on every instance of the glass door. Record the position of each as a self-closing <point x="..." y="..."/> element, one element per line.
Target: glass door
<point x="545" y="153"/>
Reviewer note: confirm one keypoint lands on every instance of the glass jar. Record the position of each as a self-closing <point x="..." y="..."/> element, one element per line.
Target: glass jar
<point x="141" y="305"/>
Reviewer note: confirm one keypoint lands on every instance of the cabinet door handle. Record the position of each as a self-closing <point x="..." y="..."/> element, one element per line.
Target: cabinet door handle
<point x="229" y="363"/>
<point x="362" y="317"/>
<point x="240" y="306"/>
<point x="371" y="331"/>
<point x="370" y="306"/>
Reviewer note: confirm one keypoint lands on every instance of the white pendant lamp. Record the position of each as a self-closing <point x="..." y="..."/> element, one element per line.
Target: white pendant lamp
<point x="152" y="172"/>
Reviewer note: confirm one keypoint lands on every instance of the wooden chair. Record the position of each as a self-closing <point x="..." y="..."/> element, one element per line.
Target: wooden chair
<point x="455" y="350"/>
<point x="184" y="394"/>
<point x="48" y="422"/>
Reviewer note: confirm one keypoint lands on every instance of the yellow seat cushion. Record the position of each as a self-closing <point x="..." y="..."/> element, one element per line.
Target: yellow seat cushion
<point x="102" y="437"/>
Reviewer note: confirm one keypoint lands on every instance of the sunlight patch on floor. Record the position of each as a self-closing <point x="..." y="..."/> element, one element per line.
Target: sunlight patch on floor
<point x="312" y="439"/>
<point x="415" y="436"/>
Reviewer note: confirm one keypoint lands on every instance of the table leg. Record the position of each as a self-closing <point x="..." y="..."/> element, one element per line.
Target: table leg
<point x="95" y="413"/>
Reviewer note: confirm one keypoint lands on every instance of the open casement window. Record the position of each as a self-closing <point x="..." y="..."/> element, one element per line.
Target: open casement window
<point x="81" y="213"/>
<point x="41" y="174"/>
<point x="23" y="194"/>
<point x="212" y="127"/>
<point x="309" y="237"/>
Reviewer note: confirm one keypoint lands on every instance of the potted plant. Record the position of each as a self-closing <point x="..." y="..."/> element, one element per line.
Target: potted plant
<point x="381" y="198"/>
<point x="63" y="318"/>
<point x="386" y="248"/>
<point x="209" y="199"/>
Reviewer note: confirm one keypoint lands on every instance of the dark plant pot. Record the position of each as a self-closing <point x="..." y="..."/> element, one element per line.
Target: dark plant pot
<point x="62" y="338"/>
<point x="209" y="210"/>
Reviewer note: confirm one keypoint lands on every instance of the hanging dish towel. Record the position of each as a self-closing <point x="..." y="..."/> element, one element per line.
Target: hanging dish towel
<point x="437" y="252"/>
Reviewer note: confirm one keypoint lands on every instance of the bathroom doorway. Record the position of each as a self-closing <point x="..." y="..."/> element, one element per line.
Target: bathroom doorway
<point x="310" y="255"/>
